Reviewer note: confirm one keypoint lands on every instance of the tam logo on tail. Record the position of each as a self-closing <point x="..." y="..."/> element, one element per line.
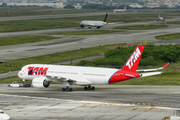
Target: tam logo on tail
<point x="133" y="62"/>
<point x="133" y="58"/>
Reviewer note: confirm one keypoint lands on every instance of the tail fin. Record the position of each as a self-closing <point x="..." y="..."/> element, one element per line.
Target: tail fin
<point x="105" y="18"/>
<point x="133" y="61"/>
<point x="125" y="8"/>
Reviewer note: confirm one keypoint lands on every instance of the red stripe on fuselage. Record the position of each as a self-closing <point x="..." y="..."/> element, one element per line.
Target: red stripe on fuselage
<point x="122" y="75"/>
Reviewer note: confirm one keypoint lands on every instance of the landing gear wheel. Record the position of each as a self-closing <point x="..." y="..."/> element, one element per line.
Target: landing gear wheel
<point x="63" y="89"/>
<point x="93" y="88"/>
<point x="85" y="88"/>
<point x="70" y="89"/>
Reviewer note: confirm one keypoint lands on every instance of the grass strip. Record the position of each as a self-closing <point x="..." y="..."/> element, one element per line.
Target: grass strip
<point x="168" y="36"/>
<point x="90" y="32"/>
<point x="141" y="27"/>
<point x="27" y="39"/>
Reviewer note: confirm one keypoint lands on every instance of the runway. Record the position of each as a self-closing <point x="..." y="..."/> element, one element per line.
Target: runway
<point x="106" y="102"/>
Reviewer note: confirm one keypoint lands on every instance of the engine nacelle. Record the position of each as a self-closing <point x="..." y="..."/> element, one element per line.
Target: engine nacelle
<point x="40" y="82"/>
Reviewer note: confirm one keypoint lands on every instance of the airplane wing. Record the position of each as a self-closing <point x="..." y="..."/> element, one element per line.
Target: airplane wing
<point x="145" y="70"/>
<point x="150" y="74"/>
<point x="61" y="79"/>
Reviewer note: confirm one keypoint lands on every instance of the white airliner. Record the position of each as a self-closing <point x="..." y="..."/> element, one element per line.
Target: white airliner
<point x="119" y="10"/>
<point x="91" y="23"/>
<point x="160" y="18"/>
<point x="42" y="74"/>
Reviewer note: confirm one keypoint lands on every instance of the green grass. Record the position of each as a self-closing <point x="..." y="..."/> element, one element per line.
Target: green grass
<point x="91" y="32"/>
<point x="14" y="65"/>
<point x="166" y="78"/>
<point x="27" y="39"/>
<point x="168" y="36"/>
<point x="174" y="22"/>
<point x="141" y="27"/>
<point x="11" y="79"/>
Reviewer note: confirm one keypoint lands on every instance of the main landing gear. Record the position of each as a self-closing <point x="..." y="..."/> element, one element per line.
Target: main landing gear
<point x="67" y="89"/>
<point x="89" y="88"/>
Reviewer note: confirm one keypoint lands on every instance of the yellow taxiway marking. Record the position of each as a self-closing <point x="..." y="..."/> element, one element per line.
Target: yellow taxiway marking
<point x="86" y="104"/>
<point x="103" y="105"/>
<point x="133" y="104"/>
<point x="81" y="104"/>
<point x="132" y="109"/>
<point x="118" y="105"/>
<point x="108" y="105"/>
<point x="92" y="105"/>
<point x="121" y="109"/>
<point x="137" y="109"/>
<point x="126" y="109"/>
<point x="142" y="108"/>
<point x="153" y="108"/>
<point x="159" y="108"/>
<point x="148" y="108"/>
<point x="177" y="105"/>
<point x="148" y="103"/>
<point x="143" y="103"/>
<point x="138" y="103"/>
<point x="97" y="104"/>
<point x="113" y="105"/>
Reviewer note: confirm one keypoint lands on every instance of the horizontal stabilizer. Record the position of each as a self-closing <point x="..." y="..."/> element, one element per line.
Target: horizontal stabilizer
<point x="150" y="74"/>
<point x="145" y="70"/>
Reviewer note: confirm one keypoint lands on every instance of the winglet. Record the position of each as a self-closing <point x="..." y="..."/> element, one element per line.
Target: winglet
<point x="165" y="65"/>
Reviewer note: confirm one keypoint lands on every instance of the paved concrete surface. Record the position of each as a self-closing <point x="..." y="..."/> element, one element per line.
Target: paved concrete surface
<point x="106" y="102"/>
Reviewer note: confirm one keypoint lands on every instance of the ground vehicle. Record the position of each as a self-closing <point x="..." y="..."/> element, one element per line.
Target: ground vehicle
<point x="17" y="84"/>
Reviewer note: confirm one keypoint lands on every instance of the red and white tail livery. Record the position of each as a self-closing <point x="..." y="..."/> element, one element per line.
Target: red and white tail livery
<point x="42" y="74"/>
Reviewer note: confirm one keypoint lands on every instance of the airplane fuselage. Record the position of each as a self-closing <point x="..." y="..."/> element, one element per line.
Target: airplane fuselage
<point x="92" y="23"/>
<point x="85" y="75"/>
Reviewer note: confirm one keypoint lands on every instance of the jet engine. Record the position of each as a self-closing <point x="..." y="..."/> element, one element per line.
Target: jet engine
<point x="40" y="82"/>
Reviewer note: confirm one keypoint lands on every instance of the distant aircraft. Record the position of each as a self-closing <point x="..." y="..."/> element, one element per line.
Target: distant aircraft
<point x="119" y="10"/>
<point x="160" y="18"/>
<point x="42" y="74"/>
<point x="97" y="24"/>
<point x="3" y="116"/>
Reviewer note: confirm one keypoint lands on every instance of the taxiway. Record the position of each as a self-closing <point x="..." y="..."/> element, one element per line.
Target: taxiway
<point x="106" y="102"/>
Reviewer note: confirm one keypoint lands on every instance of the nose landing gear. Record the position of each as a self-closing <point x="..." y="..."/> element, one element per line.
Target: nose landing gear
<point x="89" y="88"/>
<point x="67" y="89"/>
